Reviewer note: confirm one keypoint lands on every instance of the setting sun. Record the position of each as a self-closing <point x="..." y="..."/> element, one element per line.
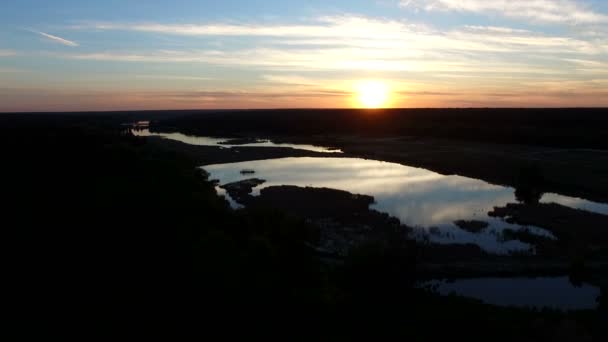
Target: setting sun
<point x="372" y="94"/>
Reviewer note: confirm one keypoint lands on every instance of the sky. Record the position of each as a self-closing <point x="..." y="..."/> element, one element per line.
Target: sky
<point x="67" y="55"/>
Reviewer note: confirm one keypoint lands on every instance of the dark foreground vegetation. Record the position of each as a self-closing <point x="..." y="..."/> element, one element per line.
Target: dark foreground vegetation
<point x="107" y="236"/>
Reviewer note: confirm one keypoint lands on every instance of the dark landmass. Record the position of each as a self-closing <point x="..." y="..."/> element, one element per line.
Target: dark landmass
<point x="109" y="235"/>
<point x="569" y="128"/>
<point x="472" y="226"/>
<point x="494" y="266"/>
<point x="569" y="172"/>
<point x="578" y="228"/>
<point x="207" y="155"/>
<point x="241" y="191"/>
<point x="240" y="141"/>
<point x="317" y="202"/>
<point x="344" y="220"/>
<point x="525" y="235"/>
<point x="338" y="216"/>
<point x="567" y="146"/>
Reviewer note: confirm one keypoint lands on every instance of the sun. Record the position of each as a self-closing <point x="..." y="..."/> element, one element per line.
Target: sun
<point x="372" y="94"/>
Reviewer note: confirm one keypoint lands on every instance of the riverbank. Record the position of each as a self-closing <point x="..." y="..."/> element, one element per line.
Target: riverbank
<point x="206" y="155"/>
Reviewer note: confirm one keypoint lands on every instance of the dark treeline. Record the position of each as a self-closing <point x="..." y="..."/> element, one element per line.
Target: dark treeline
<point x="549" y="127"/>
<point x="106" y="236"/>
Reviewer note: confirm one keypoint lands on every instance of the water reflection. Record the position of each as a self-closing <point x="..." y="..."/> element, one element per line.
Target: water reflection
<point x="578" y="203"/>
<point x="222" y="192"/>
<point x="418" y="197"/>
<point x="208" y="141"/>
<point x="556" y="293"/>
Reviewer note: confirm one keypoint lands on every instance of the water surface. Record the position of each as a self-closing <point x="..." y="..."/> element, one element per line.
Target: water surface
<point x="577" y="203"/>
<point x="555" y="293"/>
<point x="209" y="141"/>
<point x="419" y="198"/>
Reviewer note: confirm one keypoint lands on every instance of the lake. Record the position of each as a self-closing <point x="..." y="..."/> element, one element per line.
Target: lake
<point x="426" y="200"/>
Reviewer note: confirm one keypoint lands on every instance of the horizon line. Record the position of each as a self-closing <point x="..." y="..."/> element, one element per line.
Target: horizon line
<point x="286" y="109"/>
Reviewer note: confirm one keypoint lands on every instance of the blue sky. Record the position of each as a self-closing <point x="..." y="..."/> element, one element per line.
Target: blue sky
<point x="152" y="54"/>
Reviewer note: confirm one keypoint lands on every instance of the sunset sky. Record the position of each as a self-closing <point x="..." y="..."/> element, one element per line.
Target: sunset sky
<point x="151" y="54"/>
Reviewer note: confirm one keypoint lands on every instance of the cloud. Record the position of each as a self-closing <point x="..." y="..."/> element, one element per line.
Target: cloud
<point x="590" y="66"/>
<point x="292" y="80"/>
<point x="545" y="11"/>
<point x="174" y="77"/>
<point x="347" y="26"/>
<point x="7" y="53"/>
<point x="57" y="39"/>
<point x="320" y="58"/>
<point x="11" y="71"/>
<point x="357" y="43"/>
<point x="45" y="99"/>
<point x="371" y="33"/>
<point x="313" y="93"/>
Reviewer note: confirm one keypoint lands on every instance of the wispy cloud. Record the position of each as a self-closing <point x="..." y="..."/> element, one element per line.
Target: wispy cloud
<point x="11" y="71"/>
<point x="358" y="43"/>
<point x="57" y="39"/>
<point x="29" y="99"/>
<point x="321" y="58"/>
<point x="7" y="53"/>
<point x="547" y="11"/>
<point x="292" y="80"/>
<point x="174" y="77"/>
<point x="367" y="33"/>
<point x="44" y="99"/>
<point x="343" y="26"/>
<point x="590" y="66"/>
<point x="313" y="93"/>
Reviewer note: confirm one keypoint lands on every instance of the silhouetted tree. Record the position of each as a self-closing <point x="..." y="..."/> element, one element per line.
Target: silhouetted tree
<point x="530" y="184"/>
